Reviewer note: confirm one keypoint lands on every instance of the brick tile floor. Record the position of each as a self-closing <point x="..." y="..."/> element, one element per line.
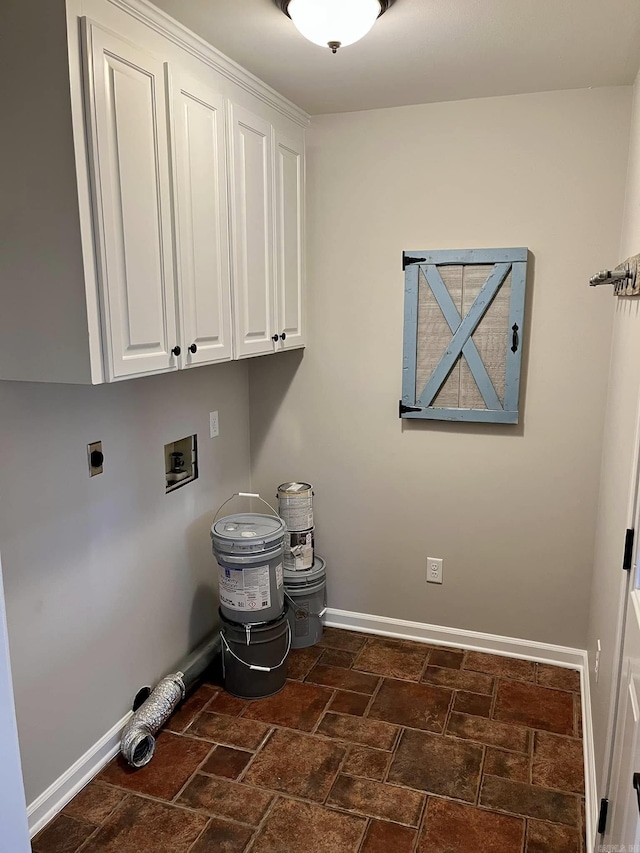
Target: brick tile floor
<point x="374" y="746"/>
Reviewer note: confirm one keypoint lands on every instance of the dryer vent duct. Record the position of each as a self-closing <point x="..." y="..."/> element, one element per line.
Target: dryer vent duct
<point x="139" y="736"/>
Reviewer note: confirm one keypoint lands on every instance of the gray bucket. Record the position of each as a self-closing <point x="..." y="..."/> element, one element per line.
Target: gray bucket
<point x="254" y="657"/>
<point x="249" y="551"/>
<point x="307" y="596"/>
<point x="298" y="550"/>
<point x="295" y="505"/>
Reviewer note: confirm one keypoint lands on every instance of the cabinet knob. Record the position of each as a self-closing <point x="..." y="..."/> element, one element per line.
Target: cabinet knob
<point x="274" y="338"/>
<point x="176" y="351"/>
<point x="193" y="349"/>
<point x="283" y="336"/>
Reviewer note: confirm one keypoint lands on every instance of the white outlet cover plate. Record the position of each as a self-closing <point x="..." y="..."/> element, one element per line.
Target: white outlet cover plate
<point x="434" y="570"/>
<point x="214" y="425"/>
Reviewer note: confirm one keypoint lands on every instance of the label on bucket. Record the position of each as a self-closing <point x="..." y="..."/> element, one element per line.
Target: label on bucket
<point x="279" y="576"/>
<point x="245" y="589"/>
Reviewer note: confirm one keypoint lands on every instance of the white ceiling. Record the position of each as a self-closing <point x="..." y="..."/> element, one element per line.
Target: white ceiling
<point x="422" y="51"/>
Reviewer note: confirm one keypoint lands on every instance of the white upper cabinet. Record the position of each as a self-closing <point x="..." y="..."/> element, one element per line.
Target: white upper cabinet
<point x="289" y="177"/>
<point x="251" y="169"/>
<point x="166" y="230"/>
<point x="132" y="205"/>
<point x="201" y="220"/>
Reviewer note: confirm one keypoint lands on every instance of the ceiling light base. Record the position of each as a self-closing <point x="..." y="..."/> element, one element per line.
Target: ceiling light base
<point x="334" y="45"/>
<point x="283" y="5"/>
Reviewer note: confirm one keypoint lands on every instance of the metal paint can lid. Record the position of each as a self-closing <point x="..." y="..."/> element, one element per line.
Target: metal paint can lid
<point x="295" y="490"/>
<point x="247" y="532"/>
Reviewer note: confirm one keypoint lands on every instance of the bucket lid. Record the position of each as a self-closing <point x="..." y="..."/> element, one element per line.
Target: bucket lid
<point x="250" y="531"/>
<point x="306" y="576"/>
<point x="255" y="626"/>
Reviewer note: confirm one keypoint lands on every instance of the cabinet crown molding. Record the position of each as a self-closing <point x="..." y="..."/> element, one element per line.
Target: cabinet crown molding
<point x="186" y="39"/>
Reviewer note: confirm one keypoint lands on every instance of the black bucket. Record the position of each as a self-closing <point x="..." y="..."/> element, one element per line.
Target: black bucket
<point x="254" y="657"/>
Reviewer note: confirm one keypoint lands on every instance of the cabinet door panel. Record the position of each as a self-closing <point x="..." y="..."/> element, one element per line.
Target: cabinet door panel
<point x="290" y="240"/>
<point x="128" y="119"/>
<point x="201" y="221"/>
<point x="252" y="235"/>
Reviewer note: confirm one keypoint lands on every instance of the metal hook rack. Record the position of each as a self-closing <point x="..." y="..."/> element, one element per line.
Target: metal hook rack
<point x="614" y="277"/>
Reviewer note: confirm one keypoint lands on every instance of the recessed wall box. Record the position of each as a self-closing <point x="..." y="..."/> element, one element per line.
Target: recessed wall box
<point x="181" y="462"/>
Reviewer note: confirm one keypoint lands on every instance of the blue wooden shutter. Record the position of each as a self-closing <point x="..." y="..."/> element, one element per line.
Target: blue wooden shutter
<point x="463" y="324"/>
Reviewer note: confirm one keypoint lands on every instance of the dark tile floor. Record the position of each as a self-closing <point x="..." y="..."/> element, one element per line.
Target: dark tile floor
<point x="374" y="746"/>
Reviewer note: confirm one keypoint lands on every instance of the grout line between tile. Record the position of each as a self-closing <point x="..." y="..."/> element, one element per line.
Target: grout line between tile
<point x="258" y="828"/>
<point x="476" y="802"/>
<point x="200" y="834"/>
<point x="120" y="805"/>
<point x="360" y="846"/>
<point x="261" y="745"/>
<point x="175" y="798"/>
<point x="199" y="713"/>
<point x="421" y="824"/>
<point x="374" y="696"/>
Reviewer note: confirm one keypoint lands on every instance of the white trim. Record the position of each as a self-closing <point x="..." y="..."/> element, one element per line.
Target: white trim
<point x="494" y="644"/>
<point x="457" y="638"/>
<point x="171" y="29"/>
<point x="590" y="776"/>
<point x="64" y="789"/>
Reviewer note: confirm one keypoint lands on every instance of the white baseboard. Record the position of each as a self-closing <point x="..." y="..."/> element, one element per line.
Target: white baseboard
<point x="64" y="789"/>
<point x="456" y="638"/>
<point x="496" y="645"/>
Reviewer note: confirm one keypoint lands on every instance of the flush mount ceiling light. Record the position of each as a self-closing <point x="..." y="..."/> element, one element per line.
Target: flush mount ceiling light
<point x="334" y="23"/>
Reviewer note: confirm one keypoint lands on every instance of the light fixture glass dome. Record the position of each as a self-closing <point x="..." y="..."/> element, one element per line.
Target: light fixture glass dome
<point x="334" y="23"/>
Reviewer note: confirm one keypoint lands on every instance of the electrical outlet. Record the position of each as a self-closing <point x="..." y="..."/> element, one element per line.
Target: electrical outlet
<point x="214" y="425"/>
<point x="434" y="570"/>
<point x="96" y="458"/>
<point x="596" y="667"/>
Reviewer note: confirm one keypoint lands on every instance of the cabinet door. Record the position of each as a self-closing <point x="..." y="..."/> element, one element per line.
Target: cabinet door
<point x="290" y="240"/>
<point x="252" y="232"/>
<point x="130" y="168"/>
<point x="202" y="217"/>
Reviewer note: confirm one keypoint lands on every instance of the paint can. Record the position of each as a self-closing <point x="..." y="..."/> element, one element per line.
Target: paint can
<point x="298" y="550"/>
<point x="249" y="550"/>
<point x="254" y="657"/>
<point x="295" y="506"/>
<point x="306" y="593"/>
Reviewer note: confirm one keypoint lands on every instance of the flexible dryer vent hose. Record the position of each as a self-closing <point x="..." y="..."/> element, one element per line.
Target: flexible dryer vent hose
<point x="139" y="736"/>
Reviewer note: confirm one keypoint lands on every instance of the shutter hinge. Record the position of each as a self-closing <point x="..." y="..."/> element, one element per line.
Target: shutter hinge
<point x="627" y="560"/>
<point x="406" y="260"/>
<point x="402" y="409"/>
<point x="602" y="818"/>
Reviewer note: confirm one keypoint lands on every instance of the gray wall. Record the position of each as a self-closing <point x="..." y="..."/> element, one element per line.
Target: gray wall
<point x="510" y="509"/>
<point x="108" y="581"/>
<point x="615" y="512"/>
